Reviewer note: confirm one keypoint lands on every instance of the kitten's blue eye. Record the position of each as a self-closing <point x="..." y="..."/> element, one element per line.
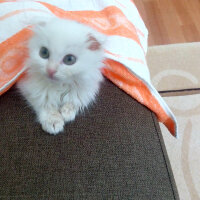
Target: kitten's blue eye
<point x="69" y="59"/>
<point x="44" y="53"/>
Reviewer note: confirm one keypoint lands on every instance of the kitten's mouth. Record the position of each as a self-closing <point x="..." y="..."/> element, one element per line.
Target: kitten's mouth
<point x="51" y="77"/>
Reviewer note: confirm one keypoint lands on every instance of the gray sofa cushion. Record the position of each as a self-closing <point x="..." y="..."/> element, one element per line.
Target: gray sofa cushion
<point x="111" y="151"/>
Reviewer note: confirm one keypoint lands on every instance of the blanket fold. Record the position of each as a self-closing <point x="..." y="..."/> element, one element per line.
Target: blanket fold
<point x="125" y="49"/>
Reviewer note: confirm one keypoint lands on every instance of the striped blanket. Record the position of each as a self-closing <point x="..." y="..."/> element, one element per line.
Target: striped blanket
<point x="125" y="49"/>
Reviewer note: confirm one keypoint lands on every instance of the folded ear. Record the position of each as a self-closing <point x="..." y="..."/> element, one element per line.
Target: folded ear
<point x="96" y="41"/>
<point x="36" y="22"/>
<point x="94" y="44"/>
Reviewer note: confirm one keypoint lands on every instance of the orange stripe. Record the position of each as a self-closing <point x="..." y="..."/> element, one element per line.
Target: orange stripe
<point x="128" y="58"/>
<point x="105" y="21"/>
<point x="140" y="32"/>
<point x="4" y="1"/>
<point x="12" y="56"/>
<point x="10" y="14"/>
<point x="120" y="4"/>
<point x="124" y="79"/>
<point x="10" y="85"/>
<point x="19" y="11"/>
<point x="6" y="89"/>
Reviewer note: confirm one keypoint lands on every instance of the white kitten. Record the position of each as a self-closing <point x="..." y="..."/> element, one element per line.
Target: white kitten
<point x="63" y="71"/>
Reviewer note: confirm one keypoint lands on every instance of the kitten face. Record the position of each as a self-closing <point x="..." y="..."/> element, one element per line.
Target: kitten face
<point x="59" y="52"/>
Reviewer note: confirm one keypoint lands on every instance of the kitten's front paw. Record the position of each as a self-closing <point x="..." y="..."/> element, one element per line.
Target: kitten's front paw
<point x="53" y="124"/>
<point x="68" y="112"/>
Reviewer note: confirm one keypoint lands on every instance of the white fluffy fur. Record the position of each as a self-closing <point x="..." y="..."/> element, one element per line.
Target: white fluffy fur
<point x="73" y="87"/>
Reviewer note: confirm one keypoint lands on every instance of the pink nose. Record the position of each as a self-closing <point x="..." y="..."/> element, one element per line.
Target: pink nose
<point x="51" y="72"/>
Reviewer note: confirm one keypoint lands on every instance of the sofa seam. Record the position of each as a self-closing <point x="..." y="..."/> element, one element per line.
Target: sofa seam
<point x="179" y="90"/>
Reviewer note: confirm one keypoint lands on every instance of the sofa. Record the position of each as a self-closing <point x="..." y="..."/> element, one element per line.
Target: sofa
<point x="114" y="150"/>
